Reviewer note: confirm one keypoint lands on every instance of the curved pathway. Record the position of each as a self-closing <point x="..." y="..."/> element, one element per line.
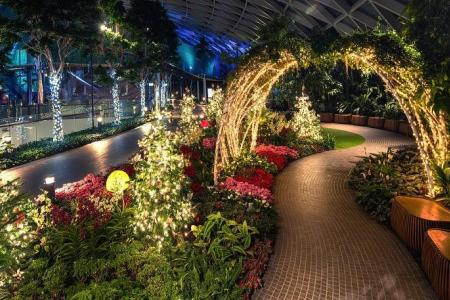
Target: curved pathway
<point x="73" y="165"/>
<point x="327" y="247"/>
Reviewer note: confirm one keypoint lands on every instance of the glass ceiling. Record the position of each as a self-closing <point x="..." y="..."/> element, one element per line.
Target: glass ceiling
<point x="230" y="25"/>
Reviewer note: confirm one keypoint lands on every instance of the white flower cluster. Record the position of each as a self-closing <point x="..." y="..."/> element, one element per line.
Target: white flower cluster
<point x="161" y="190"/>
<point x="306" y="122"/>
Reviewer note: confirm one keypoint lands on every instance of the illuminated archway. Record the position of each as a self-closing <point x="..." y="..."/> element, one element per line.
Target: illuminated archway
<point x="249" y="88"/>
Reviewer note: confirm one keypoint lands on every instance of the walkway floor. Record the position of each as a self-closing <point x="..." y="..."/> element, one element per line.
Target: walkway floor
<point x="327" y="247"/>
<point x="73" y="165"/>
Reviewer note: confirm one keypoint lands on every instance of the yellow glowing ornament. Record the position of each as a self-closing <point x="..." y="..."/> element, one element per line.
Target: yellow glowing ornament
<point x="117" y="182"/>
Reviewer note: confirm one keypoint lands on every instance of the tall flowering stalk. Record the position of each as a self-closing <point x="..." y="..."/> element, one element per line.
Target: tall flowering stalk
<point x="161" y="190"/>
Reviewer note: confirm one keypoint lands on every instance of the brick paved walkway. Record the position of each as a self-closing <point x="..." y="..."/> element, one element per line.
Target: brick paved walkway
<point x="327" y="247"/>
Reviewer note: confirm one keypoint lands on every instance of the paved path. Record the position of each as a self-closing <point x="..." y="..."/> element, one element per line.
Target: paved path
<point x="327" y="247"/>
<point x="73" y="165"/>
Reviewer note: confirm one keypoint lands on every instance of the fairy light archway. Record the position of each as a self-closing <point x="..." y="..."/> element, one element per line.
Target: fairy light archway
<point x="249" y="88"/>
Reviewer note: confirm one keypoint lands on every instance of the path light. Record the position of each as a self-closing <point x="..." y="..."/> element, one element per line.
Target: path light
<point x="99" y="121"/>
<point x="49" y="187"/>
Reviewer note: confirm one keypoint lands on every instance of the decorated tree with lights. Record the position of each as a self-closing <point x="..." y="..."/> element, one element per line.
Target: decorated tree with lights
<point x="214" y="109"/>
<point x="305" y="121"/>
<point x="52" y="29"/>
<point x="114" y="49"/>
<point x="155" y="38"/>
<point x="161" y="190"/>
<point x="189" y="125"/>
<point x="20" y="222"/>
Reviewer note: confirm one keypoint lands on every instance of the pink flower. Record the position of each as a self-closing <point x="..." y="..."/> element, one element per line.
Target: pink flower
<point x="209" y="143"/>
<point x="247" y="189"/>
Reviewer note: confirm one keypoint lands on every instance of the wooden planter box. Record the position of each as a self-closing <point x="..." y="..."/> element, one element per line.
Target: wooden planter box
<point x="359" y="120"/>
<point x="343" y="118"/>
<point x="376" y="122"/>
<point x="404" y="128"/>
<point x="391" y="125"/>
<point x="436" y="261"/>
<point x="326" y="117"/>
<point x="411" y="217"/>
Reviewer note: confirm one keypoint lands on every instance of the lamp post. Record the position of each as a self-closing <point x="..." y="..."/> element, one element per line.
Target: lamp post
<point x="49" y="187"/>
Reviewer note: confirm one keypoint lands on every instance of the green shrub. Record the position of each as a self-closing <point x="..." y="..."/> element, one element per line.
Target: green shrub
<point x="210" y="266"/>
<point x="378" y="178"/>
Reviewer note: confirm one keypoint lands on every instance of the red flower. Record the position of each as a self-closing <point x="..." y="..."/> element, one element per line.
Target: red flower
<point x="186" y="151"/>
<point x="196" y="188"/>
<point x="259" y="178"/>
<point x="204" y="124"/>
<point x="189" y="171"/>
<point x="209" y="143"/>
<point x="277" y="155"/>
<point x="218" y="205"/>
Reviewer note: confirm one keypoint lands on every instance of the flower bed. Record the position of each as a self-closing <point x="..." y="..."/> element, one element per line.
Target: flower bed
<point x="171" y="234"/>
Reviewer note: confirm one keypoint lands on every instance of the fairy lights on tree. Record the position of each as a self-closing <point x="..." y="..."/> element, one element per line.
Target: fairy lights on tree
<point x="117" y="108"/>
<point x="215" y="106"/>
<point x="189" y="124"/>
<point x="305" y="121"/>
<point x="55" y="87"/>
<point x="142" y="87"/>
<point x="161" y="190"/>
<point x="46" y="30"/>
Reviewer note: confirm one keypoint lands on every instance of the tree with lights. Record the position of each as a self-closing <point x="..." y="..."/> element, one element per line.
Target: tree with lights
<point x="114" y="48"/>
<point x="305" y="122"/>
<point x="189" y="124"/>
<point x="51" y="29"/>
<point x="161" y="190"/>
<point x="156" y="40"/>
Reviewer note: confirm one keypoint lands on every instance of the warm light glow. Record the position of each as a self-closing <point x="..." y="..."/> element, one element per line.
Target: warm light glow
<point x="49" y="180"/>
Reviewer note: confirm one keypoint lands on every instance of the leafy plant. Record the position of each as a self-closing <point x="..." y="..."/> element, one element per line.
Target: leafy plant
<point x="378" y="178"/>
<point x="210" y="267"/>
<point x="442" y="176"/>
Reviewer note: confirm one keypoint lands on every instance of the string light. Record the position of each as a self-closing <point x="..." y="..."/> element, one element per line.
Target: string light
<point x="249" y="88"/>
<point x="142" y="86"/>
<point x="117" y="109"/>
<point x="55" y="86"/>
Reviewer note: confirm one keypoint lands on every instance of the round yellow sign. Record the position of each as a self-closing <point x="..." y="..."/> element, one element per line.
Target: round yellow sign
<point x="117" y="182"/>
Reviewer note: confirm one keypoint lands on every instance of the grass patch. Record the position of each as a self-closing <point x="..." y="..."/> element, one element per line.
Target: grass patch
<point x="345" y="139"/>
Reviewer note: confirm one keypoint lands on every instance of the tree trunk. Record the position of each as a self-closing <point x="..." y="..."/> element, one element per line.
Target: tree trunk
<point x="117" y="109"/>
<point x="55" y="88"/>
<point x="142" y="87"/>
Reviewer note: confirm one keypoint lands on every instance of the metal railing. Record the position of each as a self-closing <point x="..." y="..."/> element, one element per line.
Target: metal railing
<point x="27" y="124"/>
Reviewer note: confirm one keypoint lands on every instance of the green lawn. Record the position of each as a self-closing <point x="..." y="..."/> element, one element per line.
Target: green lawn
<point x="345" y="139"/>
